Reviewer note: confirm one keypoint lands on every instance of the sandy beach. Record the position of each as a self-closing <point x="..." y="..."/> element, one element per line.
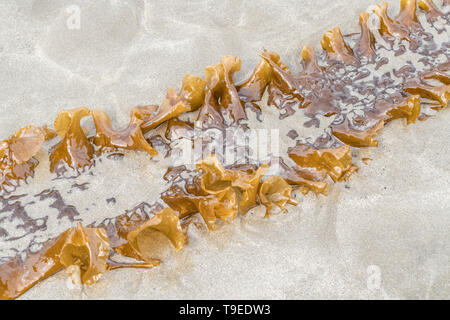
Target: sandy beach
<point x="384" y="234"/>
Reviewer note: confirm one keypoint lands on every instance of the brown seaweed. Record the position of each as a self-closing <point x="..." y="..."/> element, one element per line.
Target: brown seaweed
<point x="337" y="162"/>
<point x="16" y="155"/>
<point x="74" y="149"/>
<point x="165" y="222"/>
<point x="189" y="98"/>
<point x="130" y="138"/>
<point x="83" y="249"/>
<point x="275" y="192"/>
<point x="213" y="190"/>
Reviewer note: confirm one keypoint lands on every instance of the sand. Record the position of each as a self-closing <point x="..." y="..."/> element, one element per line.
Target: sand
<point x="383" y="234"/>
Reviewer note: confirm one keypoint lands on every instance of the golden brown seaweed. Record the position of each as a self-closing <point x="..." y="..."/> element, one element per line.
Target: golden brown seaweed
<point x="407" y="15"/>
<point x="309" y="60"/>
<point x="216" y="177"/>
<point x="48" y="133"/>
<point x="337" y="161"/>
<point x="430" y="8"/>
<point x="85" y="248"/>
<point x="229" y="97"/>
<point x="437" y="93"/>
<point x="222" y="205"/>
<point x="222" y="105"/>
<point x="282" y="82"/>
<point x="249" y="192"/>
<point x="346" y="132"/>
<point x="308" y="179"/>
<point x="275" y="192"/>
<point x="179" y="200"/>
<point x="130" y="138"/>
<point x="366" y="43"/>
<point x="178" y="129"/>
<point x="74" y="149"/>
<point x="215" y="192"/>
<point x="255" y="86"/>
<point x="333" y="43"/>
<point x="409" y="109"/>
<point x="387" y="25"/>
<point x="210" y="115"/>
<point x="165" y="221"/>
<point x="189" y="98"/>
<point x="16" y="155"/>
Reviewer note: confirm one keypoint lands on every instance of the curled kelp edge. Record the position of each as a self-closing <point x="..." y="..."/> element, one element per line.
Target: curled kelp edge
<point x="74" y="150"/>
<point x="130" y="138"/>
<point x="17" y="161"/>
<point x="82" y="250"/>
